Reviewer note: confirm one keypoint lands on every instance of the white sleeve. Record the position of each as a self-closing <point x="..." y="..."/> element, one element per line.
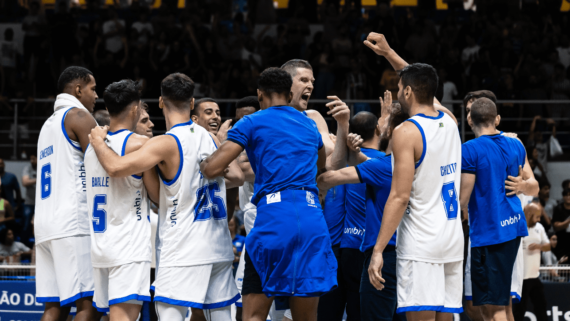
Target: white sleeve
<point x="543" y="237"/>
<point x="207" y="147"/>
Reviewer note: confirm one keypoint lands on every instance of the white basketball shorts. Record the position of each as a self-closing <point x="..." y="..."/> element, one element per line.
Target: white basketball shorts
<point x="119" y="284"/>
<point x="64" y="272"/>
<point x="207" y="286"/>
<point x="424" y="286"/>
<point x="239" y="276"/>
<point x="517" y="279"/>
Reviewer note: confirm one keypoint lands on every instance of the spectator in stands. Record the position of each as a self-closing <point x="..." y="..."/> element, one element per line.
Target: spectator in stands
<point x="449" y="88"/>
<point x="550" y="259"/>
<point x="533" y="244"/>
<point x="11" y="250"/>
<point x="566" y="184"/>
<point x="564" y="51"/>
<point x="113" y="32"/>
<point x="537" y="169"/>
<point x="10" y="187"/>
<point x="143" y="29"/>
<point x="536" y="140"/>
<point x="6" y="213"/>
<point x="546" y="203"/>
<point x="561" y="225"/>
<point x="34" y="26"/>
<point x="29" y="182"/>
<point x="8" y="59"/>
<point x="560" y="90"/>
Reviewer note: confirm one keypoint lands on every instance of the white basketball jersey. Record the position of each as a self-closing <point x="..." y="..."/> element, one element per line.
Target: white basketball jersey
<point x="118" y="211"/>
<point x="245" y="204"/>
<point x="430" y="230"/>
<point x="61" y="206"/>
<point x="192" y="222"/>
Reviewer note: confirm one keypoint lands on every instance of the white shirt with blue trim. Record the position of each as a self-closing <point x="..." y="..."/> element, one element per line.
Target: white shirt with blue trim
<point x="430" y="230"/>
<point x="61" y="205"/>
<point x="118" y="210"/>
<point x="192" y="222"/>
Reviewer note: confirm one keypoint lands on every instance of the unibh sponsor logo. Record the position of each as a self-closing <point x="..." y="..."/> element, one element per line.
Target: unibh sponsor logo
<point x="511" y="220"/>
<point x="353" y="231"/>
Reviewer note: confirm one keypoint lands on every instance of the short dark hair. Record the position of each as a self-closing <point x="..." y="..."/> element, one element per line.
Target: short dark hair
<point x="423" y="80"/>
<point x="198" y="102"/>
<point x="144" y="106"/>
<point x="364" y="124"/>
<point x="119" y="95"/>
<point x="292" y="65"/>
<point x="72" y="73"/>
<point x="249" y="101"/>
<point x="483" y="112"/>
<point x="479" y="94"/>
<point x="543" y="183"/>
<point x="275" y="80"/>
<point x="177" y="87"/>
<point x="102" y="117"/>
<point x="566" y="192"/>
<point x="566" y="183"/>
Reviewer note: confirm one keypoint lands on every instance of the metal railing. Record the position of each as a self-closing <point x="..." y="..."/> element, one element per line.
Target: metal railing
<point x="14" y="131"/>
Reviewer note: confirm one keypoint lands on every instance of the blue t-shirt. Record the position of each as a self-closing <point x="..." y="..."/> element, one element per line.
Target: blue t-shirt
<point x="335" y="212"/>
<point x="377" y="174"/>
<point x="494" y="217"/>
<point x="282" y="145"/>
<point x="9" y="186"/>
<point x="355" y="220"/>
<point x="239" y="242"/>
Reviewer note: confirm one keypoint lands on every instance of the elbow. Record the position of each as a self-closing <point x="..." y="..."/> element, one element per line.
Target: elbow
<point x="208" y="171"/>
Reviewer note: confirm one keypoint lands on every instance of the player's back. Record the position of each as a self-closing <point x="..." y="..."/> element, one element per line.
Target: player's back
<point x="286" y="142"/>
<point x="494" y="217"/>
<point x="192" y="225"/>
<point x="431" y="227"/>
<point x="61" y="207"/>
<point x="119" y="210"/>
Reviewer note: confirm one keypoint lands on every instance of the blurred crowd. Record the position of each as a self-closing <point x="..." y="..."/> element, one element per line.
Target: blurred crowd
<point x="518" y="53"/>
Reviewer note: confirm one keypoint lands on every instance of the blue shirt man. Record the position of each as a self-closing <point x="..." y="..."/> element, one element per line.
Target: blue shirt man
<point x="335" y="213"/>
<point x="494" y="169"/>
<point x="289" y="249"/>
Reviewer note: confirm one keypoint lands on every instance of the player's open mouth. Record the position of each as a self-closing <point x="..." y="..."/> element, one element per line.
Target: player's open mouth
<point x="305" y="97"/>
<point x="213" y="125"/>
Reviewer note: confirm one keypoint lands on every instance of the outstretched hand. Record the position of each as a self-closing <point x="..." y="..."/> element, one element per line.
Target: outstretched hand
<point x="386" y="104"/>
<point x="338" y="110"/>
<point x="222" y="134"/>
<point x="377" y="42"/>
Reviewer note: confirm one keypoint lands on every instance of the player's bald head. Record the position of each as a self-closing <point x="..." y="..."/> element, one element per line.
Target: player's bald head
<point x="364" y="124"/>
<point x="483" y="112"/>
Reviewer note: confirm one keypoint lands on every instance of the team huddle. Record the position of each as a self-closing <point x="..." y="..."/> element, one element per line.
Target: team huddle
<point x="367" y="221"/>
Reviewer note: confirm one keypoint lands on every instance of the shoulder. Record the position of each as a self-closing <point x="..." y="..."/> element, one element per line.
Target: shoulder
<point x="316" y="117"/>
<point x="408" y="128"/>
<point x="539" y="227"/>
<point x="135" y="142"/>
<point x="80" y="117"/>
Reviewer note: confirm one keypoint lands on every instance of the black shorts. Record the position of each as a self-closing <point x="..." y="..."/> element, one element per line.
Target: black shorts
<point x="492" y="272"/>
<point x="252" y="284"/>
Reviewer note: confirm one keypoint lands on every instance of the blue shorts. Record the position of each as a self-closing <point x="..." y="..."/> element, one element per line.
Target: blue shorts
<point x="290" y="245"/>
<point x="492" y="272"/>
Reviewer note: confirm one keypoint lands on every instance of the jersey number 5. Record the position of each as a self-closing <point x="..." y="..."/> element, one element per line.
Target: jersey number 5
<point x="99" y="214"/>
<point x="208" y="204"/>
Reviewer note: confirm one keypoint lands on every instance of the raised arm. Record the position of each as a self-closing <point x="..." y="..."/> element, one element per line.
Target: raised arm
<point x="215" y="164"/>
<point x="404" y="139"/>
<point x="158" y="149"/>
<point x="341" y="113"/>
<point x="377" y="42"/>
<point x="245" y="166"/>
<point x="323" y="130"/>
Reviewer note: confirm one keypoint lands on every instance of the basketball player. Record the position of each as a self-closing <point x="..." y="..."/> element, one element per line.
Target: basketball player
<point x="144" y="125"/>
<point x="473" y="312"/>
<point x="64" y="271"/>
<point x="206" y="113"/>
<point x="102" y="117"/>
<point x="376" y="174"/>
<point x="426" y="155"/>
<point x="194" y="248"/>
<point x="283" y="147"/>
<point x="496" y="220"/>
<point x="120" y="223"/>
